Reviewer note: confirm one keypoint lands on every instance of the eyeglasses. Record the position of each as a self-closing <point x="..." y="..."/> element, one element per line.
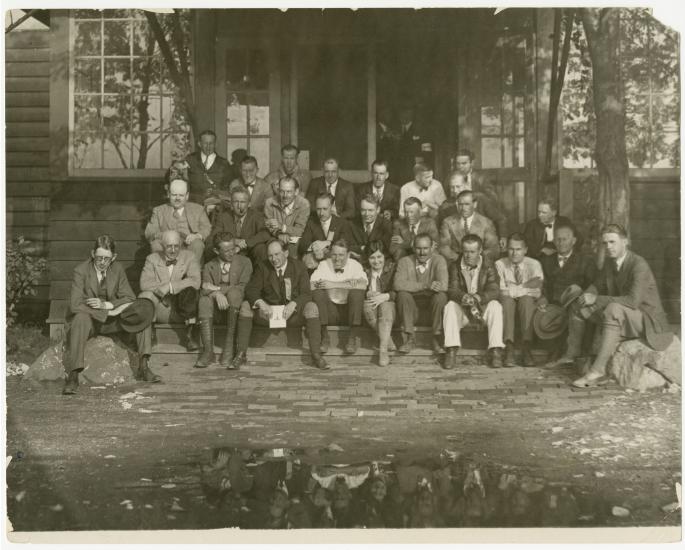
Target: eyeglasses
<point x="103" y="259"/>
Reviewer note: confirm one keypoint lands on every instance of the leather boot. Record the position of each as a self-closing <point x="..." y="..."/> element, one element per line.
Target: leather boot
<point x="509" y="360"/>
<point x="71" y="384"/>
<point x="528" y="360"/>
<point x="451" y="358"/>
<point x="384" y="330"/>
<point x="496" y="360"/>
<point x="352" y="342"/>
<point x="144" y="372"/>
<point x="229" y="342"/>
<point x="243" y="341"/>
<point x="325" y="342"/>
<point x="191" y="340"/>
<point x="437" y="344"/>
<point x="574" y="341"/>
<point x="408" y="343"/>
<point x="206" y="358"/>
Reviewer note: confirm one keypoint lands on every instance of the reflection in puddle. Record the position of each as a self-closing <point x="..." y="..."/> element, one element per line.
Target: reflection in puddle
<point x="283" y="489"/>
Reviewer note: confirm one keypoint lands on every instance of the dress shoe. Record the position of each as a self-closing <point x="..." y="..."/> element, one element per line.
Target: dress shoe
<point x="496" y="359"/>
<point x="352" y="345"/>
<point x="437" y="345"/>
<point x="509" y="360"/>
<point x="144" y="372"/>
<point x="590" y="380"/>
<point x="451" y="358"/>
<point x="325" y="341"/>
<point x="408" y="344"/>
<point x="71" y="384"/>
<point x="528" y="360"/>
<point x="320" y="362"/>
<point x="191" y="341"/>
<point x="239" y="360"/>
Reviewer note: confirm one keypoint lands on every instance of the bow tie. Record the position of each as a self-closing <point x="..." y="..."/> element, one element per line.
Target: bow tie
<point x="170" y="262"/>
<point x="471" y="267"/>
<point x="339" y="270"/>
<point x="550" y="225"/>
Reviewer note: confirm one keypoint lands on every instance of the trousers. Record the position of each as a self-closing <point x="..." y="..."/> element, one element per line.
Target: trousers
<point x="408" y="310"/>
<point x="455" y="318"/>
<point x="331" y="313"/>
<point x="519" y="310"/>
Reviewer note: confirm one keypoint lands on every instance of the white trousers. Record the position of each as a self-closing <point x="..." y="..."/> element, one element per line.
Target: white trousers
<point x="454" y="318"/>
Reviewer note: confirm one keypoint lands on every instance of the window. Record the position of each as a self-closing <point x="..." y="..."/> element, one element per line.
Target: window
<point x="247" y="106"/>
<point x="125" y="110"/>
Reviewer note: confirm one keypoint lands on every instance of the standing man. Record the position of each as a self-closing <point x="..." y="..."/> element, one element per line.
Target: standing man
<point x="102" y="302"/>
<point x="279" y="281"/>
<point x="520" y="280"/>
<point x="338" y="288"/>
<point x="258" y="189"/>
<point x="223" y="288"/>
<point x="291" y="169"/>
<point x="341" y="190"/>
<point x="428" y="190"/>
<point x="171" y="280"/>
<point x="286" y="215"/>
<point x="473" y="292"/>
<point x="539" y="233"/>
<point x="405" y="230"/>
<point x="624" y="301"/>
<point x="373" y="227"/>
<point x="209" y="174"/>
<point x="388" y="195"/>
<point x="245" y="224"/>
<point x="467" y="222"/>
<point x="185" y="218"/>
<point x="320" y="232"/>
<point x="421" y="281"/>
<point x="412" y="147"/>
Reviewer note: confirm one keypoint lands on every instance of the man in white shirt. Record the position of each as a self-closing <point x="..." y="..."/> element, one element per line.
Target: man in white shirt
<point x="428" y="190"/>
<point x="521" y="279"/>
<point x="338" y="284"/>
<point x="286" y="215"/>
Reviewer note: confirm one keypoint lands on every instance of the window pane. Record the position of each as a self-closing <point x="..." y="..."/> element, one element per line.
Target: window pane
<point x="667" y="151"/>
<point x="143" y="39"/>
<point x="86" y="114"/>
<point x="637" y="132"/>
<point x="87" y="151"/>
<point x="508" y="152"/>
<point x="112" y="14"/>
<point x="117" y="152"/>
<point x="145" y="76"/>
<point x="259" y="148"/>
<point x="174" y="147"/>
<point x="491" y="152"/>
<point x="237" y="146"/>
<point x="87" y="14"/>
<point x="87" y="38"/>
<point x="508" y="105"/>
<point x="146" y="151"/>
<point x="87" y="75"/>
<point x="236" y="115"/>
<point x="259" y="114"/>
<point x="116" y="114"/>
<point x="117" y="38"/>
<point x="520" y="153"/>
<point x="146" y="114"/>
<point x="666" y="112"/>
<point x="490" y="121"/>
<point x="117" y="75"/>
<point x="520" y="115"/>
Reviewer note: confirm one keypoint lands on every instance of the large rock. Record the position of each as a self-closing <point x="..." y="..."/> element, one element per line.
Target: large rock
<point x="637" y="366"/>
<point x="107" y="361"/>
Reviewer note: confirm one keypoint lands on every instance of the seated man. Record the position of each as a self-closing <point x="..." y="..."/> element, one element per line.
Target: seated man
<point x="467" y="222"/>
<point x="245" y="223"/>
<point x="338" y="289"/>
<point x="341" y="190"/>
<point x="171" y="280"/>
<point x="279" y="281"/>
<point x="320" y="232"/>
<point x="539" y="233"/>
<point x="290" y="168"/>
<point x="428" y="190"/>
<point x="387" y="194"/>
<point x="624" y="301"/>
<point x="102" y="302"/>
<point x="286" y="215"/>
<point x="473" y="293"/>
<point x="520" y="283"/>
<point x="258" y="189"/>
<point x="404" y="230"/>
<point x="223" y="288"/>
<point x="373" y="227"/>
<point x="186" y="218"/>
<point x="208" y="173"/>
<point x="421" y="277"/>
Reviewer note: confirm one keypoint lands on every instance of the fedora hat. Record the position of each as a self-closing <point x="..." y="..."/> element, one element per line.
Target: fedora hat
<point x="572" y="293"/>
<point x="550" y="323"/>
<point x="137" y="316"/>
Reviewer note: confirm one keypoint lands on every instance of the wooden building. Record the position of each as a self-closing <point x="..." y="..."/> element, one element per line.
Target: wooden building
<point x="322" y="79"/>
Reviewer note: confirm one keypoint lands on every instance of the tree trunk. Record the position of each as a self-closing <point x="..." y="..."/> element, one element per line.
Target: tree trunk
<point x="602" y="32"/>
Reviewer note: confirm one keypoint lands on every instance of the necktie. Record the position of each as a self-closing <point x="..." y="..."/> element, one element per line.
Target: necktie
<point x="379" y="197"/>
<point x="239" y="227"/>
<point x="170" y="262"/>
<point x="378" y="284"/>
<point x="562" y="260"/>
<point x="338" y="270"/>
<point x="518" y="276"/>
<point x="466" y="225"/>
<point x="177" y="214"/>
<point x="281" y="285"/>
<point x="368" y="229"/>
<point x="280" y="273"/>
<point x="413" y="229"/>
<point x="225" y="268"/>
<point x="330" y="185"/>
<point x="421" y="268"/>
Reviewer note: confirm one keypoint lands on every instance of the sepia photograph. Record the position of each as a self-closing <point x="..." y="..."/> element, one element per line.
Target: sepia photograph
<point x="415" y="272"/>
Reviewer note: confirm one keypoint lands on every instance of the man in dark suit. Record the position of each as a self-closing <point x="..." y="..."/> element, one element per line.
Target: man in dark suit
<point x="102" y="302"/>
<point x="388" y="195"/>
<point x="373" y="227"/>
<point x="223" y="288"/>
<point x="257" y="188"/>
<point x="404" y="230"/>
<point x="539" y="233"/>
<point x="320" y="232"/>
<point x="280" y="281"/>
<point x="624" y="301"/>
<point x="209" y="174"/>
<point x="245" y="224"/>
<point x="412" y="147"/>
<point x="341" y="190"/>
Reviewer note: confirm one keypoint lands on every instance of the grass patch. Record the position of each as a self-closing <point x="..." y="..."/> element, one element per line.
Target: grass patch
<point x="25" y="342"/>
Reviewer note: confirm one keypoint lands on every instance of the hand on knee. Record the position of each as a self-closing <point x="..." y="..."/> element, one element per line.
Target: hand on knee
<point x="311" y="311"/>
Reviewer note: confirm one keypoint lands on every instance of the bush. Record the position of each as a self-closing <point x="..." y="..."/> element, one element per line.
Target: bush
<point x="23" y="271"/>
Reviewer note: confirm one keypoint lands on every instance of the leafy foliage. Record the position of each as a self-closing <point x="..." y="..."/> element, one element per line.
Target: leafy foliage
<point x="23" y="271"/>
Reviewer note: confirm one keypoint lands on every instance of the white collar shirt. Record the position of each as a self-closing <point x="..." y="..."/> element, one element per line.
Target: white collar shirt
<point x="471" y="275"/>
<point x="208" y="160"/>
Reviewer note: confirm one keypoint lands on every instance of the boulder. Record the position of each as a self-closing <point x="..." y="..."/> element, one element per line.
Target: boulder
<point x="636" y="366"/>
<point x="107" y="361"/>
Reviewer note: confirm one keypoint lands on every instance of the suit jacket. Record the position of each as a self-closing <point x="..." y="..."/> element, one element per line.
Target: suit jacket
<point x="406" y="275"/>
<point x="635" y="287"/>
<point x="252" y="230"/>
<point x="220" y="172"/>
<point x="387" y="279"/>
<point x="264" y="285"/>
<point x="389" y="201"/>
<point x="344" y="196"/>
<point x="155" y="274"/>
<point x="534" y="232"/>
<point x="486" y="205"/>
<point x="84" y="285"/>
<point x="401" y="227"/>
<point x="294" y="222"/>
<point x="260" y="192"/>
<point x="162" y="219"/>
<point x="314" y="232"/>
<point x="302" y="176"/>
<point x="238" y="275"/>
<point x="578" y="270"/>
<point x="382" y="231"/>
<point x="488" y="282"/>
<point x="452" y="231"/>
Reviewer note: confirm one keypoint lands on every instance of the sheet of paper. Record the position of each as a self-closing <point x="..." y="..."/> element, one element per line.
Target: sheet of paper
<point x="277" y="317"/>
